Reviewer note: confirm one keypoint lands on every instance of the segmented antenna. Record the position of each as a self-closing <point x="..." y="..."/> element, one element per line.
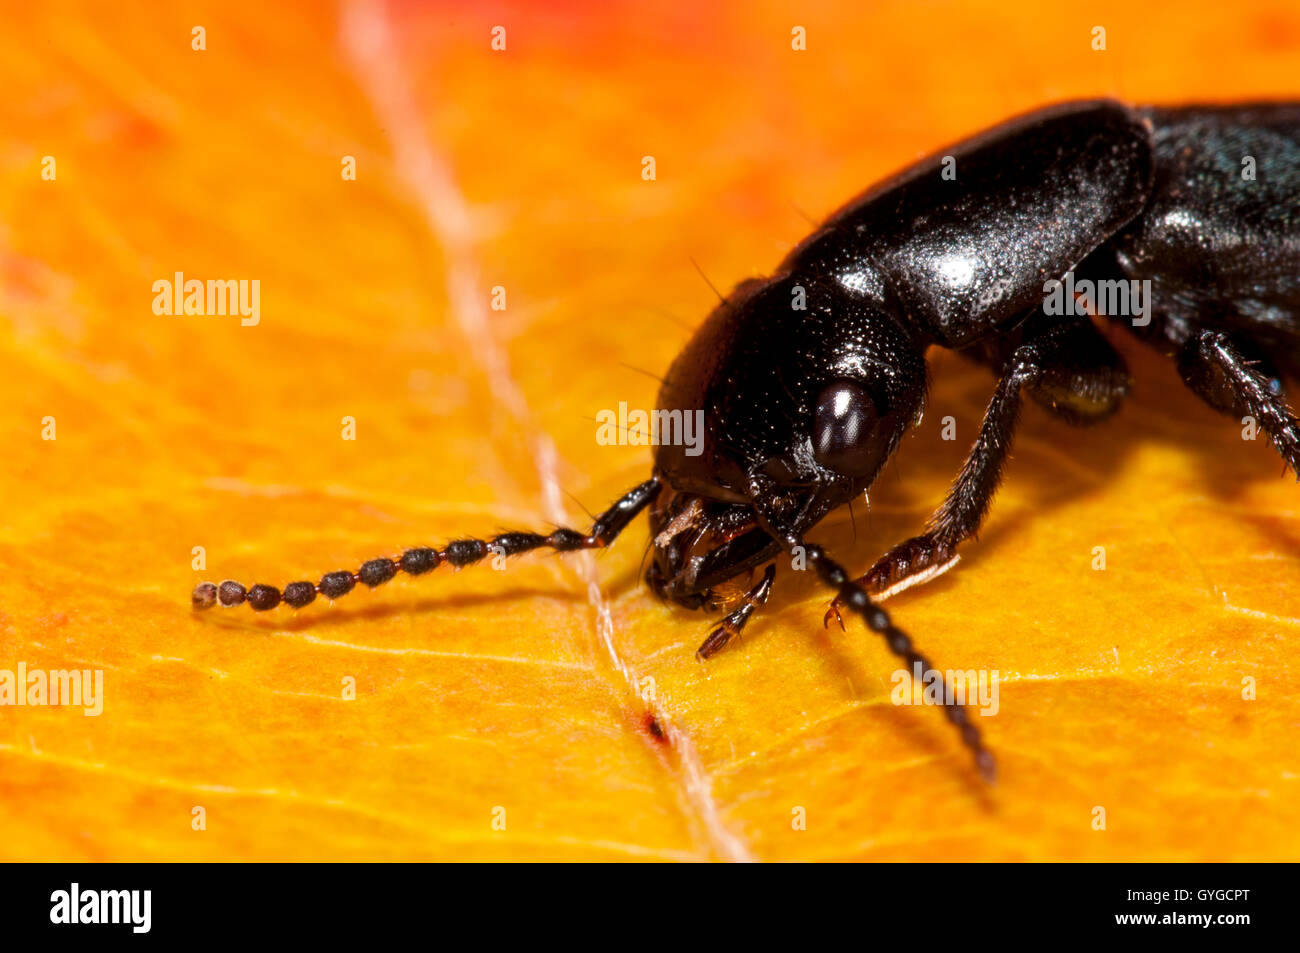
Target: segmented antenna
<point x="877" y="619"/>
<point x="417" y="562"/>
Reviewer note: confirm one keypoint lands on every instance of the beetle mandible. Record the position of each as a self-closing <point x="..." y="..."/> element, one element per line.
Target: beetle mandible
<point x="804" y="404"/>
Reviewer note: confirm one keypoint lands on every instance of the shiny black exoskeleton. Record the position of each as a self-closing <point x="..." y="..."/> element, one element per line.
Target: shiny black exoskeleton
<point x="808" y="379"/>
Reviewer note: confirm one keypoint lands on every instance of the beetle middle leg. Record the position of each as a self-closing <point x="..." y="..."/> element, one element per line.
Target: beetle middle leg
<point x="1226" y="375"/>
<point x="1063" y="364"/>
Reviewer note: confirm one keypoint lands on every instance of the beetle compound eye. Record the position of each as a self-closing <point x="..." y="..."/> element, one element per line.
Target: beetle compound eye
<point x="842" y="427"/>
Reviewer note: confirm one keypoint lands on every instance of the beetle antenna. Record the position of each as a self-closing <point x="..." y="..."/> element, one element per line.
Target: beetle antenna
<point x="417" y="562"/>
<point x="877" y="619"/>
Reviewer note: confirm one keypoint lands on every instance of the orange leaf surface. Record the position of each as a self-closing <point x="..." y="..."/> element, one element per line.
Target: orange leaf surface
<point x="524" y="695"/>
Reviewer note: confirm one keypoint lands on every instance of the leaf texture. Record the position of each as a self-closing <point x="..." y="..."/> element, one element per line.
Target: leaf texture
<point x="524" y="697"/>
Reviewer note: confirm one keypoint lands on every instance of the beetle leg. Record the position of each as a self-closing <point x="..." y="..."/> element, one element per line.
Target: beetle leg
<point x="968" y="500"/>
<point x="1219" y="372"/>
<point x="1065" y="365"/>
<point x="731" y="626"/>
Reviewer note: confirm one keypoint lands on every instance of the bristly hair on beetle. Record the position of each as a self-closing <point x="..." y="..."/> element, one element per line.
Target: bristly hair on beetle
<point x="808" y="379"/>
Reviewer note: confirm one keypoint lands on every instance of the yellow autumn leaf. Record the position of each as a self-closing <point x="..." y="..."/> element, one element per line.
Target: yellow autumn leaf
<point x="461" y="261"/>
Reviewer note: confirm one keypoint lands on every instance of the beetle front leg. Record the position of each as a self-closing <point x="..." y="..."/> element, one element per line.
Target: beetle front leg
<point x="1066" y="366"/>
<point x="732" y="625"/>
<point x="968" y="500"/>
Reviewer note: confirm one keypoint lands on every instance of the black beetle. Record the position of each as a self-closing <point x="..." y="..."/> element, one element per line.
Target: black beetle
<point x="1003" y="248"/>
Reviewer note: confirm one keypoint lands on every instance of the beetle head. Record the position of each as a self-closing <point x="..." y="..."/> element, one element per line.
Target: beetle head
<point x="803" y="389"/>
